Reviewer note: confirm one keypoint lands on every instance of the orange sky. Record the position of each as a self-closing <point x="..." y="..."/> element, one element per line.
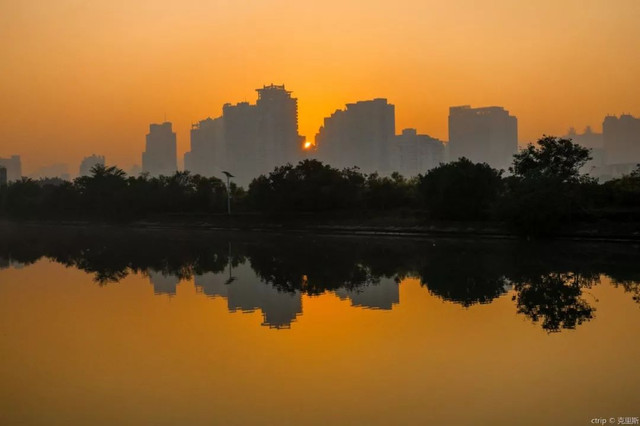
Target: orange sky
<point x="80" y="77"/>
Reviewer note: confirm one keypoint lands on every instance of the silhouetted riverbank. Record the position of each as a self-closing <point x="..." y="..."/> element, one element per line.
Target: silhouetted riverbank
<point x="545" y="196"/>
<point x="399" y="226"/>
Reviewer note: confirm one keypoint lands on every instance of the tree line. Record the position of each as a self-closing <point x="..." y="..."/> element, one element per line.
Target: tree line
<point x="542" y="191"/>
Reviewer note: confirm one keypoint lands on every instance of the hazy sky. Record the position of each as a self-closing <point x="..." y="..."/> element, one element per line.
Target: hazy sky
<point x="88" y="76"/>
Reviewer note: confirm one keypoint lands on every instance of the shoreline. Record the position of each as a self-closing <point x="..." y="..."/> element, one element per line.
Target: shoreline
<point x="462" y="230"/>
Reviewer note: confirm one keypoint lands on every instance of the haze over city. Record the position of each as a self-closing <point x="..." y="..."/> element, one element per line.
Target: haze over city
<point x="88" y="77"/>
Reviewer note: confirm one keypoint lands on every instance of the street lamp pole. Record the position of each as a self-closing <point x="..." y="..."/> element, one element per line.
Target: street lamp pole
<point x="228" y="175"/>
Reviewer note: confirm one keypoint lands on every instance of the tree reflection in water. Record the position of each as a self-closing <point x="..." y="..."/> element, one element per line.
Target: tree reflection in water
<point x="271" y="272"/>
<point x="555" y="299"/>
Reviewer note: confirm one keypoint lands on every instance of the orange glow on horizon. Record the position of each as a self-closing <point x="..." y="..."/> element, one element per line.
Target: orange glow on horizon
<point x="89" y="77"/>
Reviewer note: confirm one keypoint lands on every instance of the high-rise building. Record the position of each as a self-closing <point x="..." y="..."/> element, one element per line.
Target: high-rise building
<point x="13" y="165"/>
<point x="361" y="135"/>
<point x="621" y="139"/>
<point x="244" y="157"/>
<point x="414" y="154"/>
<point x="278" y="126"/>
<point x="483" y="135"/>
<point x="89" y="163"/>
<point x="160" y="156"/>
<point x="248" y="140"/>
<point x="208" y="149"/>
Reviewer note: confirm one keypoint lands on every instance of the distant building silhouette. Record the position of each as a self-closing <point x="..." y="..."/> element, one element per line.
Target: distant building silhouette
<point x="621" y="139"/>
<point x="361" y="135"/>
<point x="414" y="154"/>
<point x="278" y="126"/>
<point x="248" y="140"/>
<point x="246" y="292"/>
<point x="243" y="152"/>
<point x="89" y="162"/>
<point x="588" y="139"/>
<point x="208" y="149"/>
<point x="13" y="165"/>
<point x="595" y="142"/>
<point x="160" y="157"/>
<point x="53" y="171"/>
<point x="3" y="176"/>
<point x="382" y="295"/>
<point x="483" y="135"/>
<point x="134" y="170"/>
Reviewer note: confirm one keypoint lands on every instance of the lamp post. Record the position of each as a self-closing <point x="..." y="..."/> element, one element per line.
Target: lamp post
<point x="228" y="175"/>
<point x="231" y="277"/>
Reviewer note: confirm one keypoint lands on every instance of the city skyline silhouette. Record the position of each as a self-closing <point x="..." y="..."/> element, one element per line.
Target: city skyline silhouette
<point x="85" y="78"/>
<point x="253" y="139"/>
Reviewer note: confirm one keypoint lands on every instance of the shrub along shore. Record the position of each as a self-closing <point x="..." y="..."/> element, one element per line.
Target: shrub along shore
<point x="544" y="193"/>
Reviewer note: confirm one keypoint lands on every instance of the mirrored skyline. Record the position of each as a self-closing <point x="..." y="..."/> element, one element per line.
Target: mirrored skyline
<point x="549" y="283"/>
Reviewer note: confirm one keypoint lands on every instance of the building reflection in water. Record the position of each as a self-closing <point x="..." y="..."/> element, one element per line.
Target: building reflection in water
<point x="7" y="262"/>
<point x="245" y="292"/>
<point x="163" y="283"/>
<point x="382" y="295"/>
<point x="548" y="282"/>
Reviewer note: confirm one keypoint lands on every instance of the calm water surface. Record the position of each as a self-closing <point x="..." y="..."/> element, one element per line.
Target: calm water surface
<point x="116" y="326"/>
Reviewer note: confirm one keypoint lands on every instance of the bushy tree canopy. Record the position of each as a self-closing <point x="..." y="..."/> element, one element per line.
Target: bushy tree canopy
<point x="551" y="157"/>
<point x="547" y="189"/>
<point x="308" y="186"/>
<point x="460" y="190"/>
<point x="109" y="194"/>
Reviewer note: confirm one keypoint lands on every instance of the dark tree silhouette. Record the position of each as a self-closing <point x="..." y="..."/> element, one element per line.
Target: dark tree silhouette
<point x="460" y="190"/>
<point x="547" y="190"/>
<point x="555" y="300"/>
<point x="625" y="191"/>
<point x="309" y="186"/>
<point x="390" y="192"/>
<point x="551" y="157"/>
